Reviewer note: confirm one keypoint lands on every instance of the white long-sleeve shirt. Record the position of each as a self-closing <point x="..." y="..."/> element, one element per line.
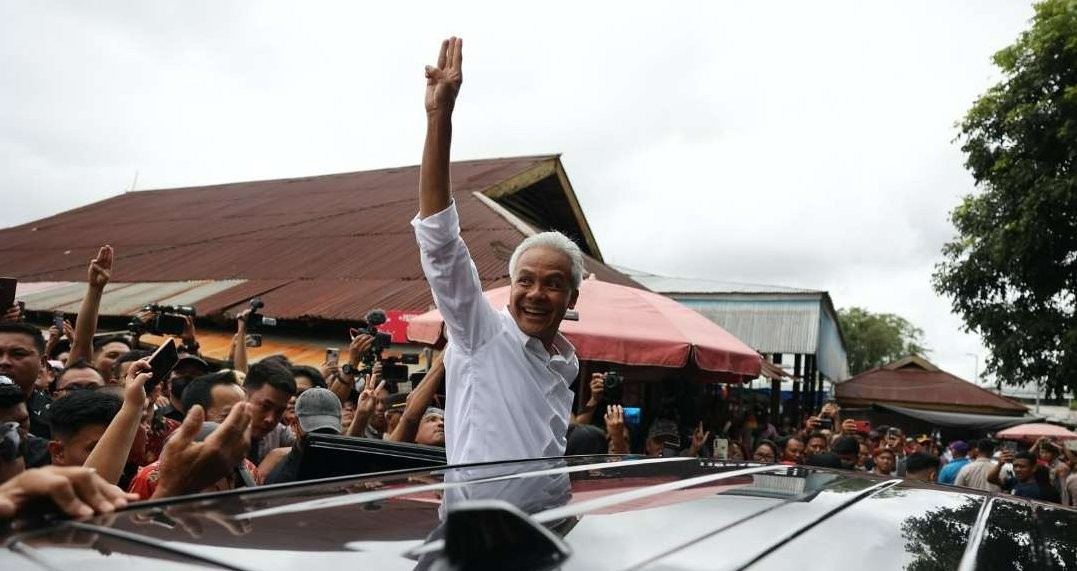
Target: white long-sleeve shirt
<point x="508" y="398"/>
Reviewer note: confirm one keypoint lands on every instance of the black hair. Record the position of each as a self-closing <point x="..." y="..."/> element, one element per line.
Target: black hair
<point x="72" y="366"/>
<point x="277" y="359"/>
<point x="11" y="395"/>
<point x="61" y="346"/>
<point x="178" y="384"/>
<point x="846" y="445"/>
<point x="128" y="357"/>
<point x="920" y="461"/>
<point x="200" y="389"/>
<point x="585" y="439"/>
<point x="986" y="446"/>
<point x="80" y="409"/>
<point x="1027" y="457"/>
<point x="817" y="435"/>
<point x="272" y="374"/>
<point x="24" y="328"/>
<point x="315" y="376"/>
<point x="824" y="460"/>
<point x="783" y="442"/>
<point x="771" y="444"/>
<point x="100" y="342"/>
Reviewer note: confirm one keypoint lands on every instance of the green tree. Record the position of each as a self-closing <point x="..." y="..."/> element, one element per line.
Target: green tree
<point x="875" y="339"/>
<point x="1011" y="271"/>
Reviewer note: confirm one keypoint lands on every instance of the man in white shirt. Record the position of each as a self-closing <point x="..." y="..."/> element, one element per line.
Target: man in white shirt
<point x="508" y="371"/>
<point x="975" y="473"/>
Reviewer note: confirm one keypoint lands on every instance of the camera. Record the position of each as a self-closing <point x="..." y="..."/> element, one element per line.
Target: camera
<point x="164" y="320"/>
<point x="612" y="380"/>
<point x="374" y="318"/>
<point x="255" y="319"/>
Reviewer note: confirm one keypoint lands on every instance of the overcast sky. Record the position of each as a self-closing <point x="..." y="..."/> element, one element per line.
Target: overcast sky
<point x="805" y="144"/>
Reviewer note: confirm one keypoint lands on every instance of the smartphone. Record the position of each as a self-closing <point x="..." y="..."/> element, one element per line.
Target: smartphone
<point x="1010" y="445"/>
<point x="58" y="321"/>
<point x="863" y="426"/>
<point x="253" y="340"/>
<point x="632" y="416"/>
<point x="826" y="424"/>
<point x="7" y="293"/>
<point x="721" y="448"/>
<point x="162" y="361"/>
<point x="332" y="355"/>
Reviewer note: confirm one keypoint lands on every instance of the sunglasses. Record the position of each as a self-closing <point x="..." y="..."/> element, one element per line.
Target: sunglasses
<point x="12" y="442"/>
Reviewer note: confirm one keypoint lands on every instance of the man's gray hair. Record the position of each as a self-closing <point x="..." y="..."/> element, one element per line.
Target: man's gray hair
<point x="554" y="241"/>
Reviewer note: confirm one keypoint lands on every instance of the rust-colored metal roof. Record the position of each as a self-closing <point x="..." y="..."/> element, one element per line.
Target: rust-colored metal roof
<point x="328" y="247"/>
<point x="918" y="384"/>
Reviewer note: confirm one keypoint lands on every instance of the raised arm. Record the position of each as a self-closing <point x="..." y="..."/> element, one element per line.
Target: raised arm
<point x="442" y="86"/>
<point x="98" y="275"/>
<point x="239" y="343"/>
<point x="365" y="407"/>
<point x="418" y="401"/>
<point x="110" y="454"/>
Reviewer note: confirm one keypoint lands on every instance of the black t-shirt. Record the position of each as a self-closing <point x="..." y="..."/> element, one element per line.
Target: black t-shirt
<point x="38" y="406"/>
<point x="288" y="469"/>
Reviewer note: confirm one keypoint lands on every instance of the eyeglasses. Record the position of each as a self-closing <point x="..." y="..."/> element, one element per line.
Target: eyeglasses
<point x="761" y="456"/>
<point x="12" y="442"/>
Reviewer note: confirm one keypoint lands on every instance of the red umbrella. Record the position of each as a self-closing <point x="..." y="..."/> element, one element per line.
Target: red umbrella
<point x="634" y="327"/>
<point x="1035" y="431"/>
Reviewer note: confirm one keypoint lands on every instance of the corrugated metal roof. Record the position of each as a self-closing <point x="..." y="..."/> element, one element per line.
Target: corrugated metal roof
<point x="671" y="284"/>
<point x="769" y="326"/>
<point x="330" y="246"/>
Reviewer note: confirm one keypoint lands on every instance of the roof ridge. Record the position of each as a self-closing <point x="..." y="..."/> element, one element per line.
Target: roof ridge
<point x="538" y="157"/>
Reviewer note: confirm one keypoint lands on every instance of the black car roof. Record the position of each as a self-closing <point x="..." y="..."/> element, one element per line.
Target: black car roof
<point x="610" y="513"/>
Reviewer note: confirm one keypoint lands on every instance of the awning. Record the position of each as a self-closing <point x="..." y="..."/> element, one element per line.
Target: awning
<point x="960" y="420"/>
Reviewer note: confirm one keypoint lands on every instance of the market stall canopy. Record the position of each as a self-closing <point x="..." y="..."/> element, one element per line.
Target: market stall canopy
<point x="633" y="327"/>
<point x="981" y="422"/>
<point x="1033" y="432"/>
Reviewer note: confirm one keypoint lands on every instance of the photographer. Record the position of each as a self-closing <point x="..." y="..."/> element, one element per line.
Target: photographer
<point x="418" y="401"/>
<point x="343" y="381"/>
<point x="598" y="387"/>
<point x="1029" y="480"/>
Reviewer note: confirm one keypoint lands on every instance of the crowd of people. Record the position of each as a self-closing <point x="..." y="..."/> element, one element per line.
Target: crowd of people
<point x="79" y="425"/>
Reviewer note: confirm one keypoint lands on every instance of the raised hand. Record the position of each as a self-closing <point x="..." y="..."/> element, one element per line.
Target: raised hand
<point x="13" y="313"/>
<point x="698" y="438"/>
<point x="598" y="386"/>
<point x="135" y="382"/>
<point x="359" y="347"/>
<point x="443" y="82"/>
<point x="100" y="270"/>
<point x="369" y="394"/>
<point x="188" y="467"/>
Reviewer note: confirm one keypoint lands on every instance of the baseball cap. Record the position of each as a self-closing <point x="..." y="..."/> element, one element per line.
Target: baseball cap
<point x="193" y="360"/>
<point x="923" y="438"/>
<point x="396" y="403"/>
<point x="434" y="410"/>
<point x="663" y="427"/>
<point x="959" y="446"/>
<point x="318" y="409"/>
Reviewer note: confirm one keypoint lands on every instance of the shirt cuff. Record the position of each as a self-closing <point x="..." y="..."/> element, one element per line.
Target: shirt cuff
<point x="438" y="229"/>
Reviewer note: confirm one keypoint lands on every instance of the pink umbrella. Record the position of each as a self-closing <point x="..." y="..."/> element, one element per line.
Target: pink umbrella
<point x="634" y="327"/>
<point x="1033" y="432"/>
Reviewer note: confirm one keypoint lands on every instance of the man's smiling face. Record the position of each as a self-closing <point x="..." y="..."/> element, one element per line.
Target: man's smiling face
<point x="541" y="292"/>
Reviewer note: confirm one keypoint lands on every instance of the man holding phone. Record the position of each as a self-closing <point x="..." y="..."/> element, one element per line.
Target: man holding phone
<point x="508" y="370"/>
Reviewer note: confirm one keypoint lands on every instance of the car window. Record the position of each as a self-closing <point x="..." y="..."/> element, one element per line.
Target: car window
<point x="1057" y="530"/>
<point x="1007" y="539"/>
